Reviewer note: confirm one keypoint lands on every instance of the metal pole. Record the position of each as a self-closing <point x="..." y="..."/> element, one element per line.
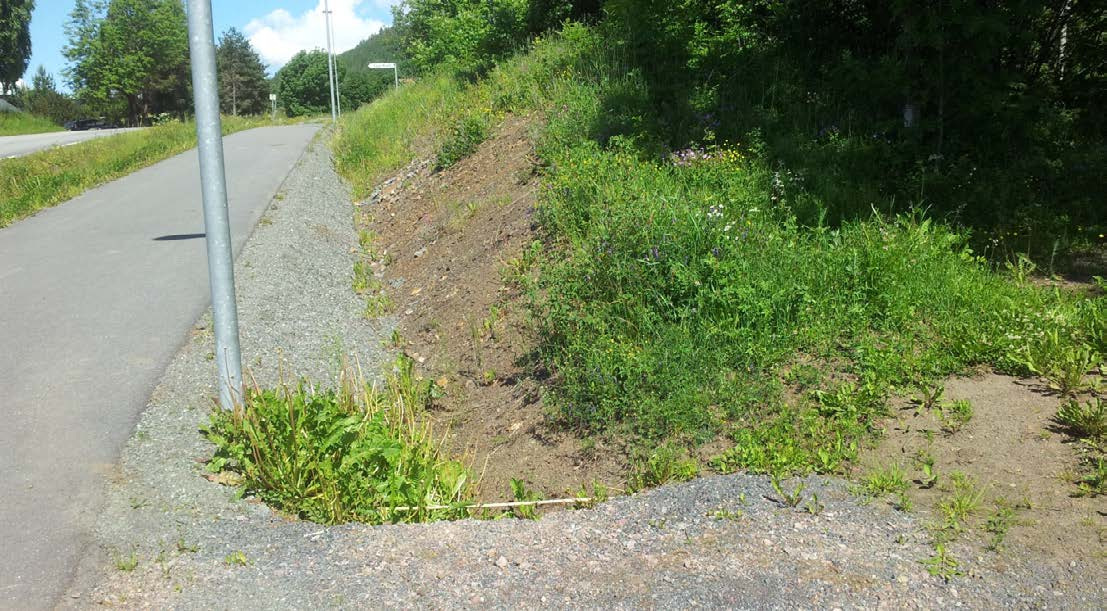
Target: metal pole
<point x="396" y="75"/>
<point x="337" y="82"/>
<point x="330" y="65"/>
<point x="201" y="42"/>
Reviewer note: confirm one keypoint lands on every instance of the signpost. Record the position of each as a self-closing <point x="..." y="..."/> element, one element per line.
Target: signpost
<point x="213" y="180"/>
<point x="388" y="66"/>
<point x="273" y="100"/>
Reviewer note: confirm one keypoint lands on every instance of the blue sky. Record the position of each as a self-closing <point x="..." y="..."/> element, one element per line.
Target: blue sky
<point x="277" y="28"/>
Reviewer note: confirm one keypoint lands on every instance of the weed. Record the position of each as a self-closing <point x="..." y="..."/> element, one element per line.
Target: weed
<point x="363" y="277"/>
<point x="488" y="377"/>
<point x="353" y="453"/>
<point x="788" y="498"/>
<point x="813" y="506"/>
<point x="902" y="502"/>
<point x="236" y="558"/>
<point x="931" y="395"/>
<point x="998" y="524"/>
<point x="1087" y="421"/>
<point x="667" y="463"/>
<point x="725" y="514"/>
<point x="126" y="563"/>
<point x="599" y="493"/>
<point x="184" y="547"/>
<point x="961" y="503"/>
<point x="1063" y="364"/>
<point x="885" y="480"/>
<point x="955" y="414"/>
<point x="520" y="493"/>
<point x="925" y="461"/>
<point x="942" y="564"/>
<point x="1094" y="481"/>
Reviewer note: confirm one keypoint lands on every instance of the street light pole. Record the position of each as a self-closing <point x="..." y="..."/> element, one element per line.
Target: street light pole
<point x="330" y="64"/>
<point x="217" y="227"/>
<point x="334" y="62"/>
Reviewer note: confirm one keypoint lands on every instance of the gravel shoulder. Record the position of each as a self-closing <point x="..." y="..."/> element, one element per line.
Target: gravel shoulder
<point x="722" y="541"/>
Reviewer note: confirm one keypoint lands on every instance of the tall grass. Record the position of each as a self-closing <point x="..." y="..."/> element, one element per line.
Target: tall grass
<point x="20" y="123"/>
<point x="47" y="178"/>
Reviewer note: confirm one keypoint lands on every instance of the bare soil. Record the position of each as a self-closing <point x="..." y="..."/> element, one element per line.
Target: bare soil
<point x="1017" y="455"/>
<point x="443" y="240"/>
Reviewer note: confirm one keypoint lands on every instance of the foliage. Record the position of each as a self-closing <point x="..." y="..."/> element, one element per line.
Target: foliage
<point x="676" y="289"/>
<point x="470" y="36"/>
<point x="470" y="131"/>
<point x="1084" y="421"/>
<point x="984" y="112"/>
<point x="17" y="123"/>
<point x="44" y="99"/>
<point x="129" y="57"/>
<point x="243" y="86"/>
<point x="47" y="178"/>
<point x="15" y="41"/>
<point x="303" y="85"/>
<point x="355" y="453"/>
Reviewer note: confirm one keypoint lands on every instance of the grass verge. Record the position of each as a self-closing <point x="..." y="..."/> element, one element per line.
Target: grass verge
<point x="47" y="178"/>
<point x="22" y="123"/>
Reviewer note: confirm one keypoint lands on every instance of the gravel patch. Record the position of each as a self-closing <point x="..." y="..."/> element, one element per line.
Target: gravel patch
<point x="717" y="542"/>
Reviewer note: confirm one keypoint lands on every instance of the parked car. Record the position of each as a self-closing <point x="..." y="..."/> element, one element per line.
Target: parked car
<point x="80" y="125"/>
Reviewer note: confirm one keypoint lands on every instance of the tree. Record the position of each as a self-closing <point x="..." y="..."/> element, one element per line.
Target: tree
<point x="15" y="41"/>
<point x="130" y="52"/>
<point x="303" y="86"/>
<point x="44" y="99"/>
<point x="242" y="83"/>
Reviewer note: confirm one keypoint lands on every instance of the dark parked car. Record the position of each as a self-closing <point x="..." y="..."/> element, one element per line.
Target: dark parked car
<point x="81" y="125"/>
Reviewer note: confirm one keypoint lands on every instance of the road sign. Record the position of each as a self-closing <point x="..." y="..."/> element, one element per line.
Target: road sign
<point x="388" y="66"/>
<point x="272" y="97"/>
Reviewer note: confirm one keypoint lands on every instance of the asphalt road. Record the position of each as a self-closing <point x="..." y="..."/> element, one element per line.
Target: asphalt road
<point x="17" y="146"/>
<point x="92" y="307"/>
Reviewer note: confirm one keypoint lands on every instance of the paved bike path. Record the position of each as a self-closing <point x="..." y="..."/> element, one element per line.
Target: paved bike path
<point x="96" y="295"/>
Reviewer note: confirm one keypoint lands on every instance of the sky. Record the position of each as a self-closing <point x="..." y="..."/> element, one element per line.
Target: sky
<point x="276" y="28"/>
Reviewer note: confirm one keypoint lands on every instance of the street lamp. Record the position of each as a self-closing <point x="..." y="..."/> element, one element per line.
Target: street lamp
<point x="388" y="66"/>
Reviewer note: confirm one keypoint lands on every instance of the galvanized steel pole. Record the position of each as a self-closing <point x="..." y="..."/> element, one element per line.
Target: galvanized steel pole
<point x="330" y="64"/>
<point x="205" y="87"/>
<point x="337" y="83"/>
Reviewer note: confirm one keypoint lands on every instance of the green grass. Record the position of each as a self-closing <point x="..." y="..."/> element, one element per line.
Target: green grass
<point x="47" y="178"/>
<point x="676" y="294"/>
<point x="20" y="123"/>
<point x="352" y="454"/>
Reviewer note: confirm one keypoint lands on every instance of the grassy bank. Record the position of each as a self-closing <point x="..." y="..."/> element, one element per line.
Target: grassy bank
<point x="20" y="123"/>
<point x="47" y="178"/>
<point x="681" y="300"/>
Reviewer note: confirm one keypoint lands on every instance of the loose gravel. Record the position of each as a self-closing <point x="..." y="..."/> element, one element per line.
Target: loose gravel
<point x="723" y="541"/>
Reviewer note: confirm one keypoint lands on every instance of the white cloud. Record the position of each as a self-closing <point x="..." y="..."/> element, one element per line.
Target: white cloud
<point x="280" y="35"/>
